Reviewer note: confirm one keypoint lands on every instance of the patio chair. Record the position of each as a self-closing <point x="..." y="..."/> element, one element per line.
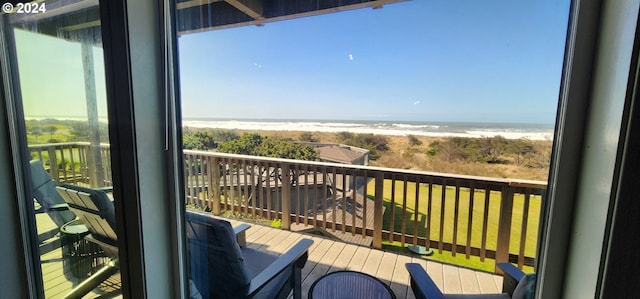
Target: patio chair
<point x="516" y="284"/>
<point x="50" y="202"/>
<point x="97" y="213"/>
<point x="223" y="267"/>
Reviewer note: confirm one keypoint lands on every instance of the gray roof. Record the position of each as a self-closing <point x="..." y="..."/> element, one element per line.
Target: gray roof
<point x="80" y="19"/>
<point x="339" y="153"/>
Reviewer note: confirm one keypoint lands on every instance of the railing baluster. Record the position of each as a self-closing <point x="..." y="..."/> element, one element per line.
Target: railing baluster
<point x="286" y="197"/>
<point x="378" y="211"/>
<point x="226" y="168"/>
<point x="485" y="223"/>
<point x="392" y="206"/>
<point x="269" y="195"/>
<point x="354" y="200"/>
<point x="470" y="220"/>
<point x="306" y="195"/>
<point x="215" y="185"/>
<point x="190" y="179"/>
<point x="323" y="198"/>
<point x="523" y="230"/>
<point x="429" y="209"/>
<point x="344" y="201"/>
<point x="83" y="162"/>
<point x="315" y="197"/>
<point x="298" y="202"/>
<point x="208" y="197"/>
<point x="254" y="190"/>
<point x="203" y="179"/>
<point x="334" y="199"/>
<point x="185" y="179"/>
<point x="456" y="212"/>
<point x="199" y="181"/>
<point x="53" y="164"/>
<point x="64" y="169"/>
<point x="442" y="208"/>
<point x="365" y="199"/>
<point x="403" y="218"/>
<point x="416" y="214"/>
<point x="245" y="186"/>
<point x="276" y="206"/>
<point x="238" y="185"/>
<point x="73" y="163"/>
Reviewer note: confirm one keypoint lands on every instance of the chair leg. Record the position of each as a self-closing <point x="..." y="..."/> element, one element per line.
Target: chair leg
<point x="94" y="281"/>
<point x="297" y="282"/>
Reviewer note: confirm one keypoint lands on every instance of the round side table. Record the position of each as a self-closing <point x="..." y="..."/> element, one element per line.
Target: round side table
<point x="350" y="285"/>
<point x="80" y="256"/>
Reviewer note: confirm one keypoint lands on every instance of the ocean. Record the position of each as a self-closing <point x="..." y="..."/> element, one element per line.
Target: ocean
<point x="398" y="128"/>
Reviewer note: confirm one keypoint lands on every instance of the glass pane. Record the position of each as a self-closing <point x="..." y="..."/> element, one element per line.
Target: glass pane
<point x="287" y="105"/>
<point x="61" y="72"/>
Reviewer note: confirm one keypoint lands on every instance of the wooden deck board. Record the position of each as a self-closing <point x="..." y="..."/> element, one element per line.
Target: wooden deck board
<point x="386" y="267"/>
<point x="325" y="255"/>
<point x="359" y="258"/>
<point x="323" y="266"/>
<point x="342" y="261"/>
<point x="451" y="277"/>
<point x="400" y="282"/>
<point x="469" y="281"/>
<point x="487" y="284"/>
<point x="373" y="261"/>
<point x="315" y="257"/>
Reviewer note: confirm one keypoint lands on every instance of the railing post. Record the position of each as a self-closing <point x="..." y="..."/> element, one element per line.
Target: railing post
<point x="504" y="225"/>
<point x="53" y="164"/>
<point x="286" y="196"/>
<point x="215" y="185"/>
<point x="377" y="211"/>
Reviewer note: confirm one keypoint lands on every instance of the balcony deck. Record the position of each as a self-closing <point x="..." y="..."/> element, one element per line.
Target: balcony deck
<point x="325" y="256"/>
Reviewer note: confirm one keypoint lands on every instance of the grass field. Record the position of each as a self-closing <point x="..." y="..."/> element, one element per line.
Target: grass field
<point x="448" y="221"/>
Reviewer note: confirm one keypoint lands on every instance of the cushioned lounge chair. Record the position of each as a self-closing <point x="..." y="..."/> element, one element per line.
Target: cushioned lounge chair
<point x="516" y="285"/>
<point x="43" y="189"/>
<point x="223" y="267"/>
<point x="96" y="211"/>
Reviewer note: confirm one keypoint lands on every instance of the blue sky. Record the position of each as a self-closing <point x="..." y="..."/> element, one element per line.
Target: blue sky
<point x="445" y="60"/>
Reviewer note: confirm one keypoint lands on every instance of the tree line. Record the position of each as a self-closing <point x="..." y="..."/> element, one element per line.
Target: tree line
<point x="492" y="150"/>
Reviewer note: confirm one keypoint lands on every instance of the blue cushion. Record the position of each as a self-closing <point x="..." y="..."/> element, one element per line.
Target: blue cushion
<point x="257" y="261"/>
<point x="526" y="288"/>
<point x="44" y="191"/>
<point x="213" y="243"/>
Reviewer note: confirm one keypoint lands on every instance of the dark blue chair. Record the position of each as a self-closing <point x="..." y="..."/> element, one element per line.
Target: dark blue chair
<point x="96" y="211"/>
<point x="516" y="285"/>
<point x="223" y="267"/>
<point x="43" y="189"/>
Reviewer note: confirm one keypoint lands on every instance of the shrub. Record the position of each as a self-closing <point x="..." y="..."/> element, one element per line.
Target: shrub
<point x="413" y="140"/>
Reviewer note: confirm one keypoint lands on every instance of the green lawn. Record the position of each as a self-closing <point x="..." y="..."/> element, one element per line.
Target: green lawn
<point x="448" y="221"/>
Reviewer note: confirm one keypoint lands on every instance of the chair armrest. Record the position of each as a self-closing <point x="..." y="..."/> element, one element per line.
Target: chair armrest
<point x="296" y="254"/>
<point x="422" y="285"/>
<point x="240" y="232"/>
<point x="57" y="207"/>
<point x="108" y="189"/>
<point x="512" y="275"/>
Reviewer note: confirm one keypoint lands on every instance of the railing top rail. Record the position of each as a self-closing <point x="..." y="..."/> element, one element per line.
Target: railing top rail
<point x="48" y="145"/>
<point x="387" y="172"/>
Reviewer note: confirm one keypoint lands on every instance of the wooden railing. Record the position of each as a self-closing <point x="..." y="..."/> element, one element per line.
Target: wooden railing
<point x="499" y="222"/>
<point x="72" y="162"/>
<point x="477" y="217"/>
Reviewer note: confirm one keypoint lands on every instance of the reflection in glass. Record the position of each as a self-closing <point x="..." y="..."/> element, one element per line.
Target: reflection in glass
<point x="60" y="67"/>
